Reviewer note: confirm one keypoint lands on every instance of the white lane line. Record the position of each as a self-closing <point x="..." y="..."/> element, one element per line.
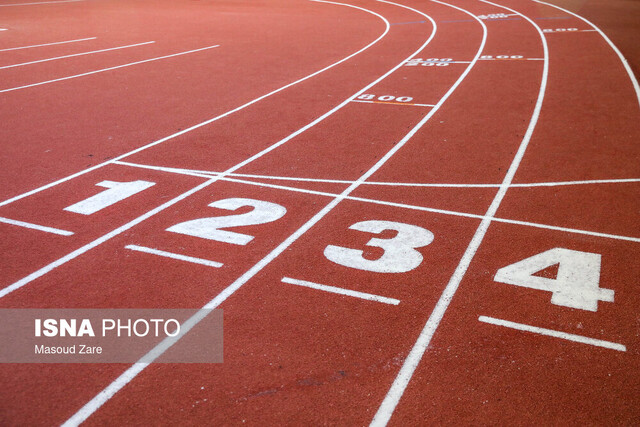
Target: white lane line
<point x="106" y="394"/>
<point x="222" y="177"/>
<point x="47" y="44"/>
<point x="585" y="182"/>
<point x="553" y="333"/>
<point x="393" y="103"/>
<point x="36" y="227"/>
<point x="625" y="64"/>
<point x="512" y="59"/>
<point x="391" y="400"/>
<point x="41" y="2"/>
<point x="3" y="29"/>
<point x="520" y="185"/>
<point x="206" y="173"/>
<point x="108" y="69"/>
<point x="199" y="125"/>
<point x="341" y="291"/>
<point x="74" y="54"/>
<point x="172" y="255"/>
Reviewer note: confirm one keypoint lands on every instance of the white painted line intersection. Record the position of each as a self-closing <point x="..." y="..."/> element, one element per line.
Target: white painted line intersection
<point x="229" y="178"/>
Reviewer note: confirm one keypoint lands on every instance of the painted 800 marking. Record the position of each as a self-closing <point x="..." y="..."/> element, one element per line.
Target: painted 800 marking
<point x="386" y="98"/>
<point x="502" y="57"/>
<point x="558" y="30"/>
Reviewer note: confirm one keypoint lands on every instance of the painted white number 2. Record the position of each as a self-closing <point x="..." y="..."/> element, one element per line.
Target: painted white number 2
<point x="116" y="192"/>
<point x="577" y="281"/>
<point x="210" y="228"/>
<point x="400" y="254"/>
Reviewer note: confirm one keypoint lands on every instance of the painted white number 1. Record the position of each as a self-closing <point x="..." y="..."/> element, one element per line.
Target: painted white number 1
<point x="400" y="254"/>
<point x="116" y="192"/>
<point x="577" y="281"/>
<point x="210" y="228"/>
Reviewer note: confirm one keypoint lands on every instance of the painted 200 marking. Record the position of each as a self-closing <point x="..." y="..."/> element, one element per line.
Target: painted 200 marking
<point x="429" y="62"/>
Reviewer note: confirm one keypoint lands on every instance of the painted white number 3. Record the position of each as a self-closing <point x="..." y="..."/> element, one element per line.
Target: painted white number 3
<point x="210" y="228"/>
<point x="400" y="254"/>
<point x="576" y="284"/>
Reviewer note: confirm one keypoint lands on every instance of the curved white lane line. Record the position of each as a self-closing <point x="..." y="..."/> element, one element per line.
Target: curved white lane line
<point x="101" y="398"/>
<point x="207" y="174"/>
<point x="206" y="122"/>
<point x="391" y="400"/>
<point x="634" y="80"/>
<point x="239" y="179"/>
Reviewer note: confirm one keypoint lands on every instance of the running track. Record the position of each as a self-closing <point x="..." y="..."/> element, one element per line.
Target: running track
<point x="408" y="151"/>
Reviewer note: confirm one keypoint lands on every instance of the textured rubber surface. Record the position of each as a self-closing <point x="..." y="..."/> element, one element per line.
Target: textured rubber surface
<point x="500" y="130"/>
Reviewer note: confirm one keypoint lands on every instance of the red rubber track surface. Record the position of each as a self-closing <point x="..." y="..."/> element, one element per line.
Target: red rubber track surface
<point x="518" y="135"/>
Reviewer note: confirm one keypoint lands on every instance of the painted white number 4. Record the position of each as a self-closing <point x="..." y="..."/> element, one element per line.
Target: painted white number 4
<point x="577" y="281"/>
